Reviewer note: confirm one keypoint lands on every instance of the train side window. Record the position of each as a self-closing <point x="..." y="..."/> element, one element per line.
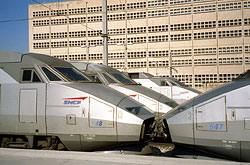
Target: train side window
<point x="29" y="75"/>
<point x="51" y="76"/>
<point x="26" y="75"/>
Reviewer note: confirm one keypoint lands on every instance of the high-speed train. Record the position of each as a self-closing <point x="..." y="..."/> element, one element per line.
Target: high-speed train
<point x="47" y="103"/>
<point x="217" y="121"/>
<point x="157" y="102"/>
<point x="167" y="86"/>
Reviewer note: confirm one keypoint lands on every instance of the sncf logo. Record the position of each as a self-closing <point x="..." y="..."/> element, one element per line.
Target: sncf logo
<point x="73" y="101"/>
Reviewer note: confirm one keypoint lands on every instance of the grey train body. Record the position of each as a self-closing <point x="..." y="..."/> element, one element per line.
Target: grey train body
<point x="217" y="121"/>
<point x="48" y="103"/>
<point x="115" y="79"/>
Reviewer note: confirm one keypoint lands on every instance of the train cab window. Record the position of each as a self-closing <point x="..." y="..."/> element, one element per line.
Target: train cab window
<point x="108" y="78"/>
<point x="29" y="75"/>
<point x="51" y="76"/>
<point x="164" y="83"/>
<point x="72" y="74"/>
<point x="122" y="78"/>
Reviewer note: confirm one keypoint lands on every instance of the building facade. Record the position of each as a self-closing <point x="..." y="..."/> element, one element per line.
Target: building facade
<point x="202" y="43"/>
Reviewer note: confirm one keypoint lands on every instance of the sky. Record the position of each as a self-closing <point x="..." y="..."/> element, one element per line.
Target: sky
<point x="14" y="35"/>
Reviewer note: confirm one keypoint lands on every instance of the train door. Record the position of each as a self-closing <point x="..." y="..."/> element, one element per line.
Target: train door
<point x="32" y="98"/>
<point x="101" y="121"/>
<point x="239" y="122"/>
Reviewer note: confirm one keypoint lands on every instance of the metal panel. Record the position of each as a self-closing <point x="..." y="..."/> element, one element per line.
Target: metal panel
<point x="247" y="123"/>
<point x="28" y="105"/>
<point x="150" y="103"/>
<point x="212" y="115"/>
<point x="101" y="115"/>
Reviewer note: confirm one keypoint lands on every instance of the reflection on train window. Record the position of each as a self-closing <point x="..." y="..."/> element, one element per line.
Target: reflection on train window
<point x="108" y="78"/>
<point x="123" y="79"/>
<point x="164" y="83"/>
<point x="72" y="74"/>
<point x="51" y="76"/>
<point x="29" y="75"/>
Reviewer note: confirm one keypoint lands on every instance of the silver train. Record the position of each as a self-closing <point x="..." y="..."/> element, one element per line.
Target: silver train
<point x="167" y="86"/>
<point x="113" y="78"/>
<point x="48" y="103"/>
<point x="217" y="121"/>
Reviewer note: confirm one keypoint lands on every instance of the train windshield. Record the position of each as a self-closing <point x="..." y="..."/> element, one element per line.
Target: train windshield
<point x="177" y="83"/>
<point x="168" y="102"/>
<point x="72" y="74"/>
<point x="122" y="78"/>
<point x="133" y="107"/>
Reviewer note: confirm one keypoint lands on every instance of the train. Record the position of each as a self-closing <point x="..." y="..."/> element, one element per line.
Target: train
<point x="158" y="103"/>
<point x="167" y="86"/>
<point x="215" y="122"/>
<point x="47" y="103"/>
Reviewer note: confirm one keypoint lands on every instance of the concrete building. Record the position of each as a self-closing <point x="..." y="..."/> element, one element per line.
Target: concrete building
<point x="202" y="43"/>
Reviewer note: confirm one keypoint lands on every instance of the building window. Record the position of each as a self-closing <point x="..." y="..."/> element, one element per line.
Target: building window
<point x="77" y="20"/>
<point x="160" y="28"/>
<point x="41" y="45"/>
<point x="247" y="32"/>
<point x="204" y="51"/>
<point x="182" y="62"/>
<point x="204" y="25"/>
<point x="229" y="6"/>
<point x="161" y="38"/>
<point x="41" y="36"/>
<point x="204" y="35"/>
<point x="40" y="23"/>
<point x="226" y="23"/>
<point x="95" y="9"/>
<point x="177" y="27"/>
<point x="205" y="9"/>
<point x="40" y="13"/>
<point x="181" y="37"/>
<point x="247" y="49"/>
<point x="77" y="11"/>
<point x="137" y="64"/>
<point x="181" y="52"/>
<point x="179" y="2"/>
<point x="157" y="13"/>
<point x="136" y="54"/>
<point x="230" y="50"/>
<point x="156" y="3"/>
<point x="116" y="7"/>
<point x="136" y="15"/>
<point x="247" y="4"/>
<point x="247" y="21"/>
<point x="205" y="61"/>
<point x="156" y="64"/>
<point x="58" y="21"/>
<point x="116" y="17"/>
<point x="136" y="5"/>
<point x="158" y="53"/>
<point x="180" y="11"/>
<point x="231" y="33"/>
<point x="232" y="60"/>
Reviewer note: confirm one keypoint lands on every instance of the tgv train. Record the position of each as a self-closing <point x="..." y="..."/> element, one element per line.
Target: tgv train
<point x="167" y="86"/>
<point x="48" y="103"/>
<point x="157" y="102"/>
<point x="217" y="121"/>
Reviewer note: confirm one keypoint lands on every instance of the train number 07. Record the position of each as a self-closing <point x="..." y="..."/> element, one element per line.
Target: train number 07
<point x="214" y="126"/>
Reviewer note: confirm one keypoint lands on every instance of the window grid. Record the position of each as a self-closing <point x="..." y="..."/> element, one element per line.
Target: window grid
<point x="158" y="64"/>
<point x="204" y="51"/>
<point x="136" y="15"/>
<point x="247" y="21"/>
<point x="231" y="33"/>
<point x="206" y="61"/>
<point x="136" y="5"/>
<point x="230" y="50"/>
<point x="156" y="3"/>
<point x="137" y="64"/>
<point x="205" y="25"/>
<point x="157" y="13"/>
<point x="205" y="9"/>
<point x="204" y="35"/>
<point x="177" y="27"/>
<point x="180" y="11"/>
<point x="232" y="60"/>
<point x="161" y="38"/>
<point x="226" y="23"/>
<point x="187" y="62"/>
<point x="247" y="32"/>
<point x="247" y="49"/>
<point x="229" y="6"/>
<point x="181" y="52"/>
<point x="247" y="4"/>
<point x="179" y="2"/>
<point x="181" y="37"/>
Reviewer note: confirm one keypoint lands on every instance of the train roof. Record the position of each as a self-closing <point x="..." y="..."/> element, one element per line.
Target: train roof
<point x="15" y="57"/>
<point x="8" y="56"/>
<point x="239" y="83"/>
